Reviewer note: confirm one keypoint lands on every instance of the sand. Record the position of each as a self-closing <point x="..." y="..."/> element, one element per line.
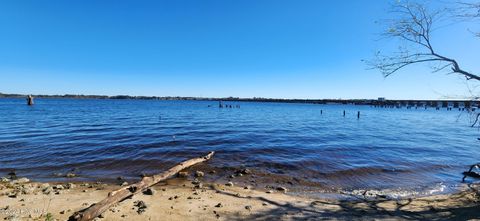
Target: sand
<point x="180" y="200"/>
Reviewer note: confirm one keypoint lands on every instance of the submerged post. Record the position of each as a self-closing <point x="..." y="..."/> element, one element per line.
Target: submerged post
<point x="321" y="111"/>
<point x="30" y="100"/>
<point x="344" y="113"/>
<point x="358" y="115"/>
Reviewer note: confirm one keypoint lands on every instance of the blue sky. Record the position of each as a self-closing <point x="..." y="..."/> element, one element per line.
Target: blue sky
<point x="214" y="48"/>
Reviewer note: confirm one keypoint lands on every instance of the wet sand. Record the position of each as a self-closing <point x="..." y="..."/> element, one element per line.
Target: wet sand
<point x="179" y="199"/>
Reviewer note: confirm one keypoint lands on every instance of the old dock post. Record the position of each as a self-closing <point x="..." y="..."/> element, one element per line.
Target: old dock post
<point x="30" y="100"/>
<point x="358" y="115"/>
<point x="344" y="113"/>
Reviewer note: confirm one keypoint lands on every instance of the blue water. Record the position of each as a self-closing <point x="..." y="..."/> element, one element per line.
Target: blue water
<point x="385" y="148"/>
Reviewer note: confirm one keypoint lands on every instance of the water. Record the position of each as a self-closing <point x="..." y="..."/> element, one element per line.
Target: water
<point x="396" y="149"/>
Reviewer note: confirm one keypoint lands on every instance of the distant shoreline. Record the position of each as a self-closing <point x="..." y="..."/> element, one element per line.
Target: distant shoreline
<point x="402" y="102"/>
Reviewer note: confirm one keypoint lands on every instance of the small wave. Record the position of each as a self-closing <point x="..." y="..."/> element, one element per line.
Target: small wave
<point x="400" y="193"/>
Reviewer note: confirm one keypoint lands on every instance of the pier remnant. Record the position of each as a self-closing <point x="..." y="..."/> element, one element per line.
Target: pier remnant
<point x="358" y="115"/>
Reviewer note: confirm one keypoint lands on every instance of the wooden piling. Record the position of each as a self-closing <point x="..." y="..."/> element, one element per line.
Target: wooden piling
<point x="358" y="115"/>
<point x="344" y="113"/>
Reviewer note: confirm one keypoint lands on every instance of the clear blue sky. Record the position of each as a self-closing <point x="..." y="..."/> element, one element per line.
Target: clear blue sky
<point x="213" y="48"/>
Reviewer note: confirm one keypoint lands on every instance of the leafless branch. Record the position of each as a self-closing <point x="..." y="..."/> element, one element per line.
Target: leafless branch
<point x="468" y="10"/>
<point x="476" y="119"/>
<point x="415" y="27"/>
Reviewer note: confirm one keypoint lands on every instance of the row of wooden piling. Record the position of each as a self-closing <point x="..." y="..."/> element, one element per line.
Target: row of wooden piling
<point x="221" y="105"/>
<point x="344" y="113"/>
<point x="436" y="108"/>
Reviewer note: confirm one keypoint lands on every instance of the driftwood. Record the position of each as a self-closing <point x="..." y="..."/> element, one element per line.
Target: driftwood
<point x="125" y="192"/>
<point x="471" y="173"/>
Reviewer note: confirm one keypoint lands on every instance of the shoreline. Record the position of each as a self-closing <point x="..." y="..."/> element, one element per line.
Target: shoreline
<point x="185" y="199"/>
<point x="264" y="181"/>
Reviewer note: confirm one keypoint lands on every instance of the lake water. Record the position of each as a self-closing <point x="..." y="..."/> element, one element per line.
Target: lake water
<point x="397" y="149"/>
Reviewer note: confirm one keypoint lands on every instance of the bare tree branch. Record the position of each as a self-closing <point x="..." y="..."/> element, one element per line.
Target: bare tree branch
<point x="414" y="25"/>
<point x="476" y="119"/>
<point x="468" y="10"/>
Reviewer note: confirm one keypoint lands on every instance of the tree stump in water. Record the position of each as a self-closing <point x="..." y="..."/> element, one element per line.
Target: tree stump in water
<point x="30" y="100"/>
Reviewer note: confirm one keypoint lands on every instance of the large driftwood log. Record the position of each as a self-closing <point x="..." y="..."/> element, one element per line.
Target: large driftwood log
<point x="125" y="192"/>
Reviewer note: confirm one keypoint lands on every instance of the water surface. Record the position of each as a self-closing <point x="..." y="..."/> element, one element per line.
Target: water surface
<point x="404" y="149"/>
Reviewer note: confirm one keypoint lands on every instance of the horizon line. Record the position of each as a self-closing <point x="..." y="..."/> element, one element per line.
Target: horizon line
<point x="125" y="96"/>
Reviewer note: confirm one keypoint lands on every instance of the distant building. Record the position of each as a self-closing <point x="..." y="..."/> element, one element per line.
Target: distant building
<point x="381" y="99"/>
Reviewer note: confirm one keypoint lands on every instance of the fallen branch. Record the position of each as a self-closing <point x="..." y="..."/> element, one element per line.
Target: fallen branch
<point x="471" y="173"/>
<point x="125" y="192"/>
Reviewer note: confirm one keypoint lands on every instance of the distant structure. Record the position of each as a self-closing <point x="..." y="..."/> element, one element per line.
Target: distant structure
<point x="381" y="99"/>
<point x="30" y="100"/>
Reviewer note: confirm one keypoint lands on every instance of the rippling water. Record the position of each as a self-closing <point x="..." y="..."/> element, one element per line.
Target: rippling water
<point x="385" y="148"/>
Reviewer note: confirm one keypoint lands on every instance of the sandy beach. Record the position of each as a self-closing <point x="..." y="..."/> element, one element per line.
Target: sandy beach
<point x="189" y="199"/>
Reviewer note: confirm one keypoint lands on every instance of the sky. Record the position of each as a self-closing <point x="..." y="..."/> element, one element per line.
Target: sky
<point x="216" y="48"/>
